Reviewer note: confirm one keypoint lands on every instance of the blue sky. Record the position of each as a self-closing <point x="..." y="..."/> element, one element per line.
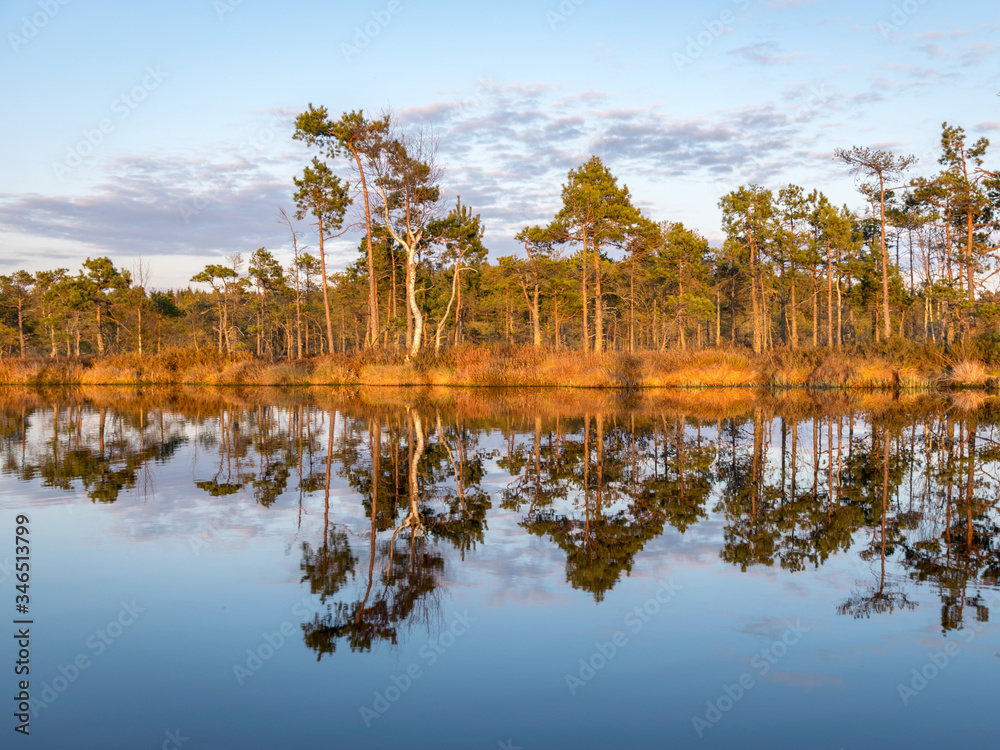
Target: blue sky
<point x="164" y="129"/>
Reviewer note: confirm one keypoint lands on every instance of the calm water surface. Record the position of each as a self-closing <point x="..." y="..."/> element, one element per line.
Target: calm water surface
<point x="383" y="569"/>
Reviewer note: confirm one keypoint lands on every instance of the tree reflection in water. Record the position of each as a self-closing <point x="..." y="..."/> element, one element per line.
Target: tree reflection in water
<point x="883" y="599"/>
<point x="906" y="483"/>
<point x="405" y="592"/>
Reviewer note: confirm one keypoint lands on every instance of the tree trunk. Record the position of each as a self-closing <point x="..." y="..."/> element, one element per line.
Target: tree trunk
<point x="765" y="311"/>
<point x="458" y="315"/>
<point x="20" y="324"/>
<point x="326" y="293"/>
<point x="373" y="322"/>
<point x="732" y="312"/>
<point x="555" y="302"/>
<point x="598" y="303"/>
<point x="970" y="231"/>
<point x="631" y="309"/>
<point x="795" y="317"/>
<point x="815" y="310"/>
<point x="840" y="309"/>
<point x="395" y="305"/>
<point x="536" y="318"/>
<point x="260" y="321"/>
<point x="718" y="317"/>
<point x="100" y="334"/>
<point x="444" y="318"/>
<point x="583" y="292"/>
<point x="411" y="298"/>
<point x="510" y="320"/>
<point x="681" y="340"/>
<point x="829" y="296"/>
<point x="409" y="310"/>
<point x="656" y="321"/>
<point x="887" y="323"/>
<point x="225" y="323"/>
<point x="218" y="299"/>
<point x="758" y="331"/>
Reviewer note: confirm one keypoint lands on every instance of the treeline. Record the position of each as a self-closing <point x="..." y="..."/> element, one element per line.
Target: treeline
<point x="794" y="271"/>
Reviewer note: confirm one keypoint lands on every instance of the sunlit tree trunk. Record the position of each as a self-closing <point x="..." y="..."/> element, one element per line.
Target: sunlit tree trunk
<point x="444" y="318"/>
<point x="598" y="302"/>
<point x="583" y="293"/>
<point x="829" y="296"/>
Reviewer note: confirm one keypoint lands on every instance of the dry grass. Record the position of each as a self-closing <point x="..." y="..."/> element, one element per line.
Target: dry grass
<point x="521" y="367"/>
<point x="968" y="373"/>
<point x="701" y="368"/>
<point x="287" y="374"/>
<point x="34" y="371"/>
<point x="388" y="375"/>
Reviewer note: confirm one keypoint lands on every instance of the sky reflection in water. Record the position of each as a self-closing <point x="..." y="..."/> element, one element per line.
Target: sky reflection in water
<point x="533" y="570"/>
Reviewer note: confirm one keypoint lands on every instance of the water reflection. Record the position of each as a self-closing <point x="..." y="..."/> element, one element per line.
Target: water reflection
<point x="907" y="484"/>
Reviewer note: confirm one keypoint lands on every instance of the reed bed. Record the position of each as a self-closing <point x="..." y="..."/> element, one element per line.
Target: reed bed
<point x="521" y="367"/>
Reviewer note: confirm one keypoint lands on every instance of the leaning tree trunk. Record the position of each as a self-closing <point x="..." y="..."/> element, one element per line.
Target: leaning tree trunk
<point x="411" y="299"/>
<point x="413" y="520"/>
<point x="444" y="318"/>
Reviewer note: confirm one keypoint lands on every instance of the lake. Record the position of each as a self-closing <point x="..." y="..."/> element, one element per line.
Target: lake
<point x="267" y="568"/>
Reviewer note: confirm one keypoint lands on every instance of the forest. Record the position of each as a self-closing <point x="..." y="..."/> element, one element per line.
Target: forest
<point x="910" y="269"/>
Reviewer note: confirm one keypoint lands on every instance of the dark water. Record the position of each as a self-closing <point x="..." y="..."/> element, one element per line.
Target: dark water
<point x="386" y="569"/>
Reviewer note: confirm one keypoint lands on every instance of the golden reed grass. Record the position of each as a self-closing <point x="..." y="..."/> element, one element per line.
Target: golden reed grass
<point x="520" y="367"/>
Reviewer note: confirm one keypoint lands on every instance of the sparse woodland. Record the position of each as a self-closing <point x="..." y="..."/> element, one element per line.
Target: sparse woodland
<point x="906" y="280"/>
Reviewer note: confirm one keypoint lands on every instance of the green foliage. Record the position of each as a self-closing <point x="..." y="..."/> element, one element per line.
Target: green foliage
<point x="793" y="270"/>
<point x="322" y="195"/>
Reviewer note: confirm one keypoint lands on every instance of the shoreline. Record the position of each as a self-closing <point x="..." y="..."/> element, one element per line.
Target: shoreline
<point x="524" y="367"/>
